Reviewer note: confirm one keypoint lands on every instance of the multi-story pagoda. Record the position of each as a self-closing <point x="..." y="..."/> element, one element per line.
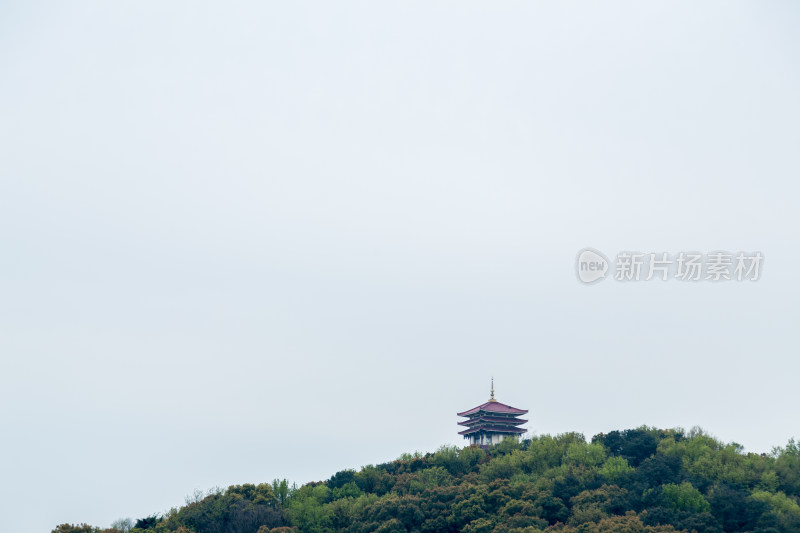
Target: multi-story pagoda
<point x="491" y="422"/>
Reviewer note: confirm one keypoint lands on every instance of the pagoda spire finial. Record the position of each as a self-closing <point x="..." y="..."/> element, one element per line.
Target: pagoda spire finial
<point x="491" y="397"/>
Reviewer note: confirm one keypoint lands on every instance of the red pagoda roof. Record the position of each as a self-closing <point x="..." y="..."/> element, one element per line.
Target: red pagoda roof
<point x="492" y="429"/>
<point x="494" y="407"/>
<point x="492" y="419"/>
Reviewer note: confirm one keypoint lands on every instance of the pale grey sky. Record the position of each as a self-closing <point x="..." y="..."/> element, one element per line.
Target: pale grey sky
<point x="249" y="240"/>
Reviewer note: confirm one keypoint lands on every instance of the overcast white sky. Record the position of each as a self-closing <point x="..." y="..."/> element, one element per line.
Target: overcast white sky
<point x="249" y="240"/>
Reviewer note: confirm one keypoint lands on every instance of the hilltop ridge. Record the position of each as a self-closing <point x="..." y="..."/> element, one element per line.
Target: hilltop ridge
<point x="637" y="480"/>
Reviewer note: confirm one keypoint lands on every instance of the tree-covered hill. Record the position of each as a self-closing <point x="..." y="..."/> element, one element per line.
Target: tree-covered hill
<point x="637" y="480"/>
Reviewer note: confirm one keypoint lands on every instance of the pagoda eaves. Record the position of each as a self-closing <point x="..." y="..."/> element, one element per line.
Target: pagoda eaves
<point x="491" y="422"/>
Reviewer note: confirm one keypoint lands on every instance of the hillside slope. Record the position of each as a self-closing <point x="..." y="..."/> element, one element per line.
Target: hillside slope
<point x="637" y="480"/>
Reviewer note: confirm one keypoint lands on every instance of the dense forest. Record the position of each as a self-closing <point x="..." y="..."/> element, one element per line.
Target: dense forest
<point x="637" y="480"/>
